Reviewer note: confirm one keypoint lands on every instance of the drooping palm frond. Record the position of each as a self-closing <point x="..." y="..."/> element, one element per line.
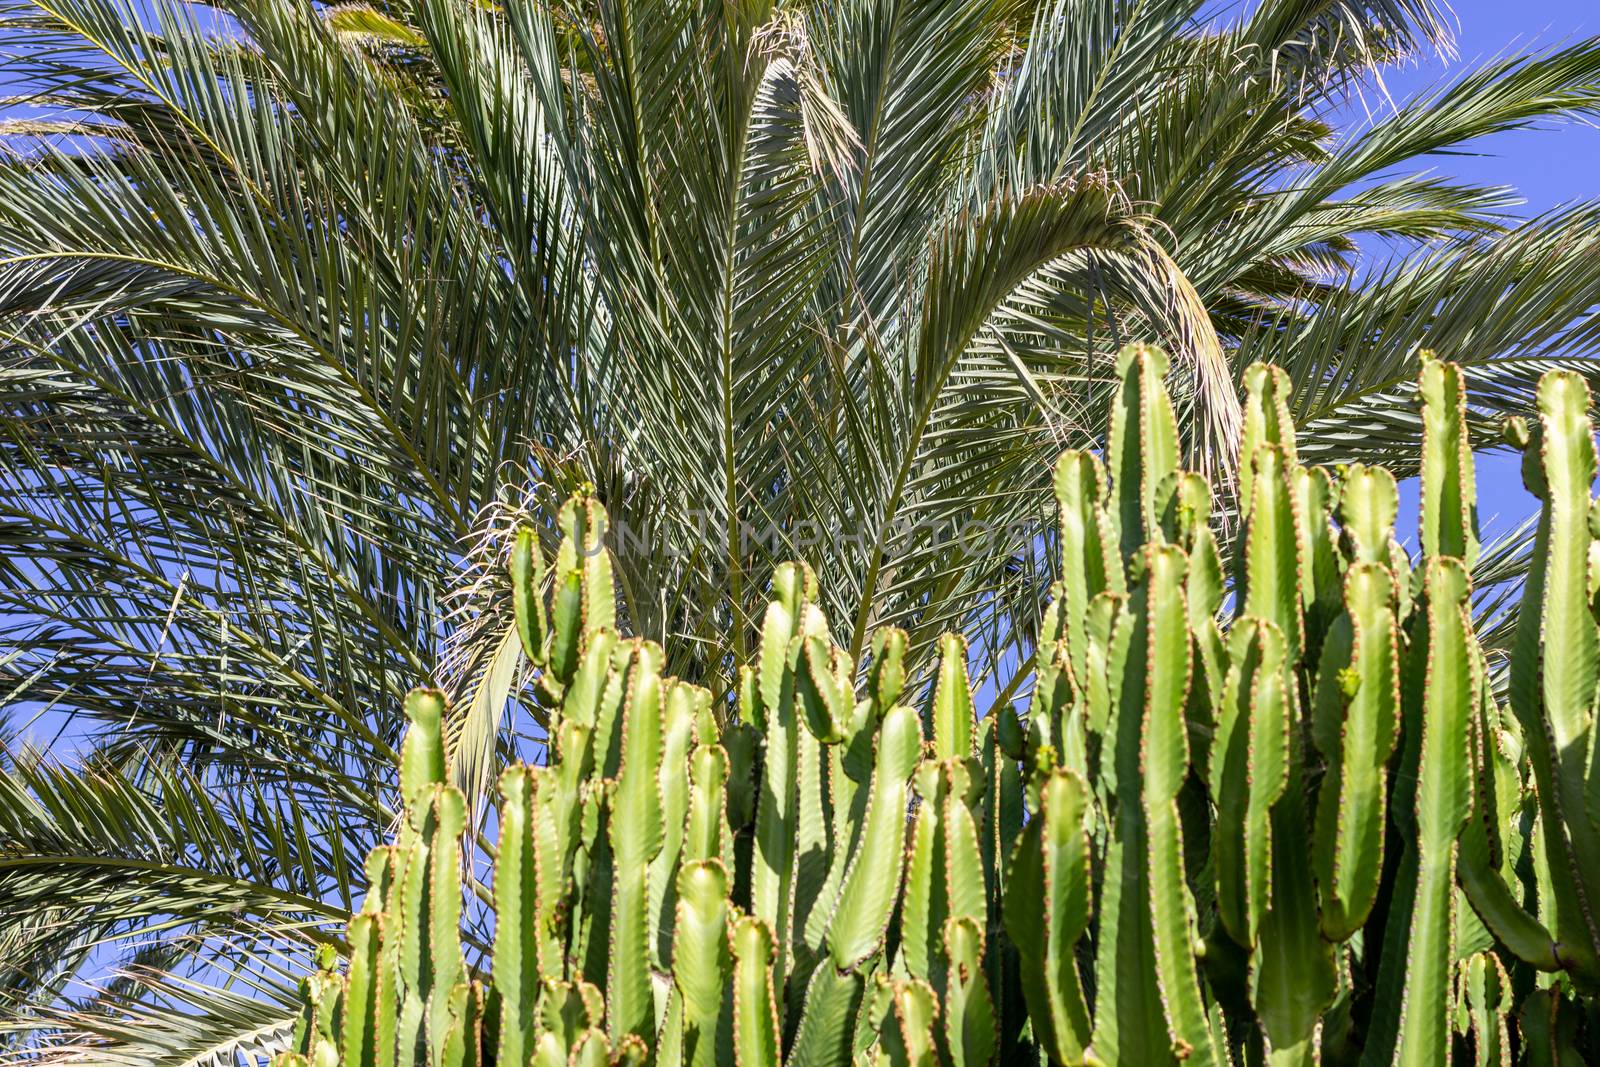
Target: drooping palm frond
<point x="143" y="856"/>
<point x="302" y="309"/>
<point x="148" y="1015"/>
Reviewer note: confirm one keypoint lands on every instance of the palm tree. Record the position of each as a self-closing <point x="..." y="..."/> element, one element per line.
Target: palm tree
<point x="301" y="308"/>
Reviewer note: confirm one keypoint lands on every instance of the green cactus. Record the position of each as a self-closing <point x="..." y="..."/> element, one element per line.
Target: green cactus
<point x="1249" y="772"/>
<point x="1047" y="911"/>
<point x="755" y="1011"/>
<point x="1300" y="829"/>
<point x="1486" y="998"/>
<point x="700" y="957"/>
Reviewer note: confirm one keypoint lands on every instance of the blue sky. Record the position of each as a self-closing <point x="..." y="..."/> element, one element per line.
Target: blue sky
<point x="1549" y="166"/>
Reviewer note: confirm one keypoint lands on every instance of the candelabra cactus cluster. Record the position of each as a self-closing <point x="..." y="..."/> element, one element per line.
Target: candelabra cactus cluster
<point x="1302" y="828"/>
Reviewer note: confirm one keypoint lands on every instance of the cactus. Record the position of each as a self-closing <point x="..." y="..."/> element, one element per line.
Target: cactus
<point x="1316" y="827"/>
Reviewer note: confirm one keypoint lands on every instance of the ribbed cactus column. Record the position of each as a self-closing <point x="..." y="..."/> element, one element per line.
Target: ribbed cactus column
<point x="1047" y="912"/>
<point x="1553" y="666"/>
<point x="1355" y="722"/>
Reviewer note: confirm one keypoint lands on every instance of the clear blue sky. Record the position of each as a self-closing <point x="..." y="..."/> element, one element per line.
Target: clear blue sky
<point x="1549" y="166"/>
